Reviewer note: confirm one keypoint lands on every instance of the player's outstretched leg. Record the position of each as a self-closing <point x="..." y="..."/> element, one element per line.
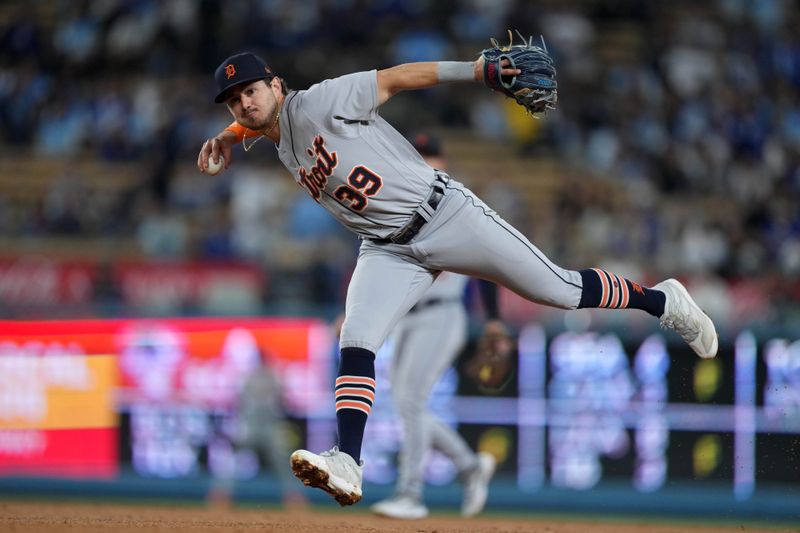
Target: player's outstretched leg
<point x="668" y="300"/>
<point x="683" y="315"/>
<point x="476" y="485"/>
<point x="333" y="471"/>
<point x="507" y="257"/>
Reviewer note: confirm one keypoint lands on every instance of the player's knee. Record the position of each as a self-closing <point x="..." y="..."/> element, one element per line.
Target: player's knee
<point x="349" y="342"/>
<point x="354" y="335"/>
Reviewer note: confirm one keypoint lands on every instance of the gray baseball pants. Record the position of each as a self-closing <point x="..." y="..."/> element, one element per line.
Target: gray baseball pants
<point x="465" y="236"/>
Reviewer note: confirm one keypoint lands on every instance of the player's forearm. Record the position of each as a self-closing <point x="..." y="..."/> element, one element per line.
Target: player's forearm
<point x="407" y="76"/>
<point x="410" y="76"/>
<point x="232" y="134"/>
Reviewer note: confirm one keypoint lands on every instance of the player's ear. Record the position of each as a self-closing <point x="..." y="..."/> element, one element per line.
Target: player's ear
<point x="277" y="85"/>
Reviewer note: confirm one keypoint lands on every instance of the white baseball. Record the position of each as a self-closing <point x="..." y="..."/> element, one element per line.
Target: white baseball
<point x="214" y="167"/>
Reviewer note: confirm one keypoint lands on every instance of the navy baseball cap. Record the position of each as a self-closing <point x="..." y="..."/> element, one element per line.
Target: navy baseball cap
<point x="426" y="144"/>
<point x="240" y="68"/>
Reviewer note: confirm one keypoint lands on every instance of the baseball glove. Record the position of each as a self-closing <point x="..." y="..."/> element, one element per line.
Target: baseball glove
<point x="535" y="88"/>
<point x="491" y="366"/>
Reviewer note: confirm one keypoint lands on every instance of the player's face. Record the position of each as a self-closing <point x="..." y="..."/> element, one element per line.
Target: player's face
<point x="252" y="104"/>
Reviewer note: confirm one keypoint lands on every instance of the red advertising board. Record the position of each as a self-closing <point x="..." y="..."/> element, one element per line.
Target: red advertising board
<point x="80" y="453"/>
<point x="63" y="384"/>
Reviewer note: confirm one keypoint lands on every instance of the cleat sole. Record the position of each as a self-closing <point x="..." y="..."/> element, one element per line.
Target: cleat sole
<point x="312" y="476"/>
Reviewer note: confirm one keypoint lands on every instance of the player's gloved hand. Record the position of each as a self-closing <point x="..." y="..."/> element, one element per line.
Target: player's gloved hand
<point x="535" y="87"/>
<point x="505" y="64"/>
<point x="491" y="366"/>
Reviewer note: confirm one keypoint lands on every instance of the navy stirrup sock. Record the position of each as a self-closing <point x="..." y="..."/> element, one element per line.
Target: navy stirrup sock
<point x="355" y="393"/>
<point x="605" y="289"/>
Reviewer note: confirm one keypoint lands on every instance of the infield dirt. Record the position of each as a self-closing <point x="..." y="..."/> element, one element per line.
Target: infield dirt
<point x="46" y="517"/>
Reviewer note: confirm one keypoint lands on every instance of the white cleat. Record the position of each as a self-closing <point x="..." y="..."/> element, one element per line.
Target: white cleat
<point x="687" y="319"/>
<point x="476" y="486"/>
<point x="402" y="507"/>
<point x="333" y="471"/>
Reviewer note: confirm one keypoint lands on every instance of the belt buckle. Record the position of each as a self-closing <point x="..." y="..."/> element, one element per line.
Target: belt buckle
<point x="409" y="231"/>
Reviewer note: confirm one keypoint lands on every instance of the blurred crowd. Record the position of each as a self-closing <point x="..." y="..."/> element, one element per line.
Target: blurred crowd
<point x="677" y="133"/>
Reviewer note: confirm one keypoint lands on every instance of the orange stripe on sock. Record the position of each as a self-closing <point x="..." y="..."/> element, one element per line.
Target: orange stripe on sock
<point x="350" y="404"/>
<point x="347" y="391"/>
<point x="612" y="291"/>
<point x="342" y="380"/>
<point x="616" y="294"/>
<point x="604" y="284"/>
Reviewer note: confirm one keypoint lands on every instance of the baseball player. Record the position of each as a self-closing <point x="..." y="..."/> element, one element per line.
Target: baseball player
<point x="427" y="341"/>
<point x="415" y="222"/>
<point x="260" y="426"/>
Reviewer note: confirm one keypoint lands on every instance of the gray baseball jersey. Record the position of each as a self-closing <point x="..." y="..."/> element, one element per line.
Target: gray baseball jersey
<point x="348" y="158"/>
<point x="367" y="175"/>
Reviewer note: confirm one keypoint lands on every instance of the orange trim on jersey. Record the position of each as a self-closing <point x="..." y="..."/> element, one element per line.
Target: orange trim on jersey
<point x="238" y="130"/>
<point x="355" y="379"/>
<point x="241" y="132"/>
<point x="604" y="284"/>
<point x="349" y="404"/>
<point x="346" y="391"/>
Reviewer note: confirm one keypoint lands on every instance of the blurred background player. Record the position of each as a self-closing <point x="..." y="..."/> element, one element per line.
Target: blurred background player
<point x="427" y="341"/>
<point x="260" y="427"/>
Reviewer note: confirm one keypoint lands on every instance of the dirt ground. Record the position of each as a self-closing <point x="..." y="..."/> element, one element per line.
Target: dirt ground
<point x="46" y="517"/>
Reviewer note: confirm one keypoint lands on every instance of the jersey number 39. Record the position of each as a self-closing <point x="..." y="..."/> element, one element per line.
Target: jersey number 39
<point x="363" y="183"/>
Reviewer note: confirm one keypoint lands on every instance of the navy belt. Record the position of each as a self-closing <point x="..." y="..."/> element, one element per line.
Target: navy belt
<point x="421" y="215"/>
<point x="430" y="302"/>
